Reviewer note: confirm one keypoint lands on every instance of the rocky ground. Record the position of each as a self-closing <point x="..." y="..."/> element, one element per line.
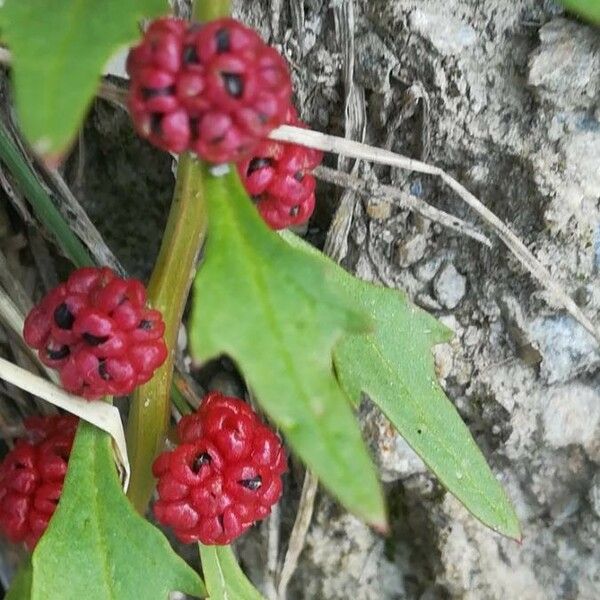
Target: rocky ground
<point x="505" y="96"/>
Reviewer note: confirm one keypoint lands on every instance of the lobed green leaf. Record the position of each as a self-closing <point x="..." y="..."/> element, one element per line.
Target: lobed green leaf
<point x="393" y="364"/>
<point x="59" y="50"/>
<point x="223" y="576"/>
<point x="278" y="314"/>
<point x="97" y="547"/>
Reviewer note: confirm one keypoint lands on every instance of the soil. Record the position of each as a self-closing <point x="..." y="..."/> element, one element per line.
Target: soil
<point x="505" y="96"/>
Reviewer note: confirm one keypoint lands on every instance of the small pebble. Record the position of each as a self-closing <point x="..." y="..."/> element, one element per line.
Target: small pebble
<point x="449" y="286"/>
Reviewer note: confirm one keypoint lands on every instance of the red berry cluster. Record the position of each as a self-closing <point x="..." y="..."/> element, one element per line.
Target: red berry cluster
<point x="278" y="177"/>
<point x="215" y="89"/>
<point x="218" y="90"/>
<point x="32" y="475"/>
<point x="224" y="476"/>
<point x="96" y="330"/>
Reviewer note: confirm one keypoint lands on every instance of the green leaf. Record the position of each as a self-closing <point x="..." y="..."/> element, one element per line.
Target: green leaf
<point x="20" y="588"/>
<point x="393" y="364"/>
<point x="277" y="313"/>
<point x="589" y="9"/>
<point x="224" y="578"/>
<point x="96" y="546"/>
<point x="59" y="50"/>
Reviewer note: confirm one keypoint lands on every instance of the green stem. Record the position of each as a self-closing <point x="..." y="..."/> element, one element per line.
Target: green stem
<point x="41" y="203"/>
<point x="208" y="10"/>
<point x="167" y="291"/>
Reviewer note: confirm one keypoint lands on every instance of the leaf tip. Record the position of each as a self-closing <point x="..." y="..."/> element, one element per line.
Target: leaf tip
<point x="514" y="531"/>
<point x="519" y="540"/>
<point x="510" y="527"/>
<point x="43" y="147"/>
<point x="378" y="518"/>
<point x="382" y="527"/>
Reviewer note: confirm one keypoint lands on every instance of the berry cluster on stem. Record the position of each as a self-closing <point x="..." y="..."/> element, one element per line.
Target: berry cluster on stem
<point x="223" y="476"/>
<point x="218" y="90"/>
<point x="96" y="330"/>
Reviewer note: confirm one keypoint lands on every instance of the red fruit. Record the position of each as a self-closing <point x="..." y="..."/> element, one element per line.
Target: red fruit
<point x="32" y="475"/>
<point x="278" y="177"/>
<point x="215" y="89"/>
<point x="278" y="216"/>
<point x="96" y="331"/>
<point x="223" y="477"/>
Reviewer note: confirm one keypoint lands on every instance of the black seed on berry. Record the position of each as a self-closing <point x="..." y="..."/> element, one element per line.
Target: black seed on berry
<point x="262" y="118"/>
<point x="258" y="163"/>
<point x="145" y="325"/>
<point x="298" y="175"/>
<point x="190" y="56"/>
<point x="194" y="127"/>
<point x="94" y="340"/>
<point x="203" y="459"/>
<point x="294" y="211"/>
<point x="253" y="483"/>
<point x="234" y="84"/>
<point x="222" y="37"/>
<point x="63" y="317"/>
<point x="59" y="353"/>
<point x="148" y="93"/>
<point x="155" y="123"/>
<point x="102" y="369"/>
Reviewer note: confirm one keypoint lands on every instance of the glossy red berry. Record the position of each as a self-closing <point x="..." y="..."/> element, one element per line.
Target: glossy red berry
<point x="32" y="475"/>
<point x="224" y="476"/>
<point x="215" y="89"/>
<point x="96" y="331"/>
<point x="278" y="177"/>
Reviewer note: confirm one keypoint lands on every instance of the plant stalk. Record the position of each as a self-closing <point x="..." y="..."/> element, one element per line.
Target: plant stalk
<point x="168" y="291"/>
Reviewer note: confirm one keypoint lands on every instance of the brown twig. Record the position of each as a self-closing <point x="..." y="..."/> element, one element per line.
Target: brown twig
<point x="404" y="199"/>
<point x="299" y="531"/>
<point x="355" y="125"/>
<point x="273" y="525"/>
